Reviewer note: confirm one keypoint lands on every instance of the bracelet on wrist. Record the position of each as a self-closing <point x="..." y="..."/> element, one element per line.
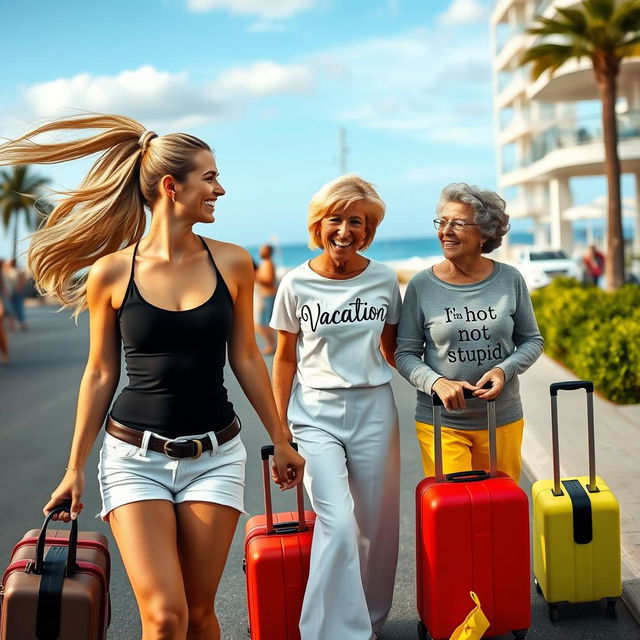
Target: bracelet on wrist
<point x="73" y="469"/>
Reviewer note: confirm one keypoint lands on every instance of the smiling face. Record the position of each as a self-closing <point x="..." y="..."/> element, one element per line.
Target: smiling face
<point x="343" y="232"/>
<point x="459" y="243"/>
<point x="196" y="196"/>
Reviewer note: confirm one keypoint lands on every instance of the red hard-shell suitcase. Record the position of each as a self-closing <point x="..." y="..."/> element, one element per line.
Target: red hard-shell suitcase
<point x="472" y="534"/>
<point x="56" y="586"/>
<point x="276" y="562"/>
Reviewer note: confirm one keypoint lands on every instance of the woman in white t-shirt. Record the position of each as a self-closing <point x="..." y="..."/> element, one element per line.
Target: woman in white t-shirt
<point x="336" y="317"/>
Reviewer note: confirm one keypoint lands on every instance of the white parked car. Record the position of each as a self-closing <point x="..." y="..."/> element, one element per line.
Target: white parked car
<point x="539" y="265"/>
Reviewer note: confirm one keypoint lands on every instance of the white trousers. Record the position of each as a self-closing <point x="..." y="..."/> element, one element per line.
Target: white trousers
<point x="350" y="440"/>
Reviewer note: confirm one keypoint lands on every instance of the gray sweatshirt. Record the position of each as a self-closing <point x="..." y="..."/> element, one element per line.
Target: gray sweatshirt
<point x="462" y="331"/>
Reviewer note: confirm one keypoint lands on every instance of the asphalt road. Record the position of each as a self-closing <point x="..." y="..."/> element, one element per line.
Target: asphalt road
<point x="37" y="404"/>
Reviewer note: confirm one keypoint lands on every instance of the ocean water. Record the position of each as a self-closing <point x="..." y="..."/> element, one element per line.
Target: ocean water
<point x="396" y="250"/>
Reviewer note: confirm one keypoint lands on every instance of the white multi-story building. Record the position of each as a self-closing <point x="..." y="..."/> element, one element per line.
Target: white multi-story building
<point x="549" y="131"/>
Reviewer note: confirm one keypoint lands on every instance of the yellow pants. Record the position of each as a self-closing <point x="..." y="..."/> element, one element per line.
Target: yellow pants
<point x="464" y="450"/>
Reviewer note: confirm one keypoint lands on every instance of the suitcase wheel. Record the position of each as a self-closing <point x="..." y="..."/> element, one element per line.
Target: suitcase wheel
<point x="554" y="612"/>
<point x="537" y="584"/>
<point x="611" y="607"/>
<point x="423" y="634"/>
<point x="519" y="634"/>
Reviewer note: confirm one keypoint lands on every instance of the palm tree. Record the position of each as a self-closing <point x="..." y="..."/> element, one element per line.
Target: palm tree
<point x="20" y="190"/>
<point x="605" y="31"/>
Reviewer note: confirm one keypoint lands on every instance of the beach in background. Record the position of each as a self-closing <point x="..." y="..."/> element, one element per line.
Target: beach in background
<point x="406" y="256"/>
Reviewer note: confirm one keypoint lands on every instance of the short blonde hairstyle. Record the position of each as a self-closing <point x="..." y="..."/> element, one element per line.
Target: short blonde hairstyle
<point x="339" y="194"/>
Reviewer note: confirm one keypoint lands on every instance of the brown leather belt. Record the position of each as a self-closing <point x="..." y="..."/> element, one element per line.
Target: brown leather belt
<point x="172" y="448"/>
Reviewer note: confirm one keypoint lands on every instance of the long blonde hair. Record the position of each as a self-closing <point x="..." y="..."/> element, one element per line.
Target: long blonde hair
<point x="106" y="212"/>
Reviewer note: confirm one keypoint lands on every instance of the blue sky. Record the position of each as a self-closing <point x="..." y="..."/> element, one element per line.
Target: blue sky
<point x="269" y="84"/>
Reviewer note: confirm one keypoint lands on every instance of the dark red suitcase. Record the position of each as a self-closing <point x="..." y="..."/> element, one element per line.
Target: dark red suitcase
<point x="276" y="562"/>
<point x="472" y="534"/>
<point x="57" y="586"/>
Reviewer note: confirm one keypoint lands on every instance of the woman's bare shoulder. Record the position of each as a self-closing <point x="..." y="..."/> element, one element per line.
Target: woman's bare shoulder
<point x="229" y="255"/>
<point x="112" y="268"/>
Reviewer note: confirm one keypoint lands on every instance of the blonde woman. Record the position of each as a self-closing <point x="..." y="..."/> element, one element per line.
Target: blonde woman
<point x="171" y="467"/>
<point x="336" y="318"/>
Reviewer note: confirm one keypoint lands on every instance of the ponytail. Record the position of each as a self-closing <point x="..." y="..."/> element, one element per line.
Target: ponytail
<point x="106" y="212"/>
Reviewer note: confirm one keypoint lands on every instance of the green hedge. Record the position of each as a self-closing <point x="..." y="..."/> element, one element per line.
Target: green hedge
<point x="594" y="333"/>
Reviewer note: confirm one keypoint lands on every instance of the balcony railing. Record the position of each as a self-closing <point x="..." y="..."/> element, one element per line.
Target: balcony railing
<point x="505" y="34"/>
<point x="506" y="78"/>
<point x="582" y="131"/>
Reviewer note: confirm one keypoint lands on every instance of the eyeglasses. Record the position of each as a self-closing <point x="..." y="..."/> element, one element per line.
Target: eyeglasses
<point x="457" y="225"/>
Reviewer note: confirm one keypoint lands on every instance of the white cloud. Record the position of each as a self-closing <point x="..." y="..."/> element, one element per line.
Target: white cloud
<point x="464" y="12"/>
<point x="148" y="94"/>
<point x="431" y="85"/>
<point x="163" y="98"/>
<point x="265" y="78"/>
<point x="265" y="9"/>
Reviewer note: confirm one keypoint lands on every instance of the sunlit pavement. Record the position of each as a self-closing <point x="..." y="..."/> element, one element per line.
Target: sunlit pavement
<point x="37" y="404"/>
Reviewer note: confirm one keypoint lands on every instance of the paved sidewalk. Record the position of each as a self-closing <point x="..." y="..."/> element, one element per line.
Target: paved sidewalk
<point x="617" y="437"/>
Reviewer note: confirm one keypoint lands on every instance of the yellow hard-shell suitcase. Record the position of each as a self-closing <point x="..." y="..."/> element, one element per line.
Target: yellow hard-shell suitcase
<point x="576" y="527"/>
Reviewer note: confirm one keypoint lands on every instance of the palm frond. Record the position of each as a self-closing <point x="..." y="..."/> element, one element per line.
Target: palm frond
<point x="548" y="57"/>
<point x="550" y="27"/>
<point x="575" y="18"/>
<point x="599" y="9"/>
<point x="627" y="16"/>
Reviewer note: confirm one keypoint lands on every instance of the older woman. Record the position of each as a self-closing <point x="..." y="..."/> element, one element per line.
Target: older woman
<point x="336" y="317"/>
<point x="468" y="323"/>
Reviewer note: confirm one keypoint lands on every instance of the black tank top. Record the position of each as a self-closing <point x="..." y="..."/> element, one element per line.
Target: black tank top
<point x="175" y="363"/>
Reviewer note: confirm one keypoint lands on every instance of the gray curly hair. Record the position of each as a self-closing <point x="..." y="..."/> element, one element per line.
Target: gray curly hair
<point x="488" y="211"/>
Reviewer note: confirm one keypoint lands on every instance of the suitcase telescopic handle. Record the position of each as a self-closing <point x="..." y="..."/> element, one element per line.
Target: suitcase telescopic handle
<point x="289" y="527"/>
<point x="72" y="544"/>
<point x="572" y="385"/>
<point x="437" y="433"/>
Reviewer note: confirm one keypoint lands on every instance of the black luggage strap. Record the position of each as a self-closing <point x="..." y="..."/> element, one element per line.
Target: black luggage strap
<point x="50" y="594"/>
<point x="582" y="513"/>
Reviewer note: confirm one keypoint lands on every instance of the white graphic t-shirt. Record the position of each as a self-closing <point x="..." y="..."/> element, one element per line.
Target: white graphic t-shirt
<point x="339" y="324"/>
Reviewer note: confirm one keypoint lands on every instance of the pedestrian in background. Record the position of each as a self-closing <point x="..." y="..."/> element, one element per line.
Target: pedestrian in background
<point x="336" y="318"/>
<point x="171" y="467"/>
<point x="593" y="265"/>
<point x="15" y="285"/>
<point x="468" y="322"/>
<point x="267" y="288"/>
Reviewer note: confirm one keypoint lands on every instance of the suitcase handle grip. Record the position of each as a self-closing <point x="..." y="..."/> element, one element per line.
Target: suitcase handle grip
<point x="468" y="394"/>
<point x="288" y="527"/>
<point x="437" y="433"/>
<point x="570" y="385"/>
<point x="467" y="476"/>
<point x="72" y="545"/>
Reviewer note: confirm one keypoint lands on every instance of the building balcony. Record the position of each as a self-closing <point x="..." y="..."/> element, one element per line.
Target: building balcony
<point x="575" y="81"/>
<point x="510" y="87"/>
<point x="500" y="9"/>
<point x="519" y="126"/>
<point x="512" y="49"/>
<point x="574" y="150"/>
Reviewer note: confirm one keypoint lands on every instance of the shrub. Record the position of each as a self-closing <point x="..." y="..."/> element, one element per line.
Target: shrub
<point x="595" y="333"/>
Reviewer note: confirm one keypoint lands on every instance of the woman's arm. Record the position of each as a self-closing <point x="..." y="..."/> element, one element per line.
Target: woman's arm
<point x="389" y="342"/>
<point x="284" y="370"/>
<point x="251" y="372"/>
<point x="410" y="354"/>
<point x="97" y="387"/>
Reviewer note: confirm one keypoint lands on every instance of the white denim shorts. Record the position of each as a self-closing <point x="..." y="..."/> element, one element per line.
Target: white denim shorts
<point x="127" y="473"/>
